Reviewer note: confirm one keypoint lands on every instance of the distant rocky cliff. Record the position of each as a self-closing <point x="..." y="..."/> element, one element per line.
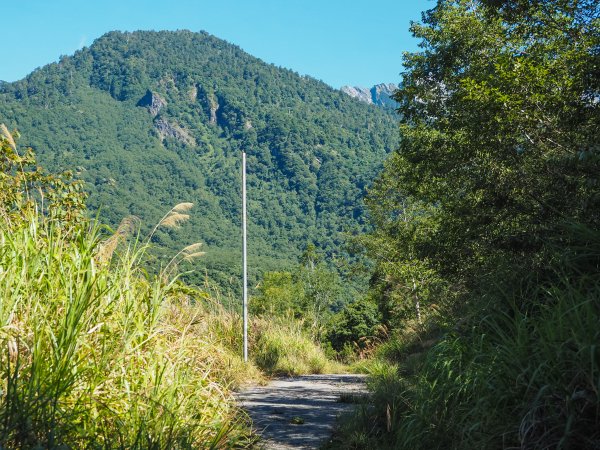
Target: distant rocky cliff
<point x="380" y="94"/>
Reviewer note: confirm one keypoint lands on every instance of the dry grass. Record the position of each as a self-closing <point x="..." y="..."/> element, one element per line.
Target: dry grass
<point x="7" y="136"/>
<point x="102" y="356"/>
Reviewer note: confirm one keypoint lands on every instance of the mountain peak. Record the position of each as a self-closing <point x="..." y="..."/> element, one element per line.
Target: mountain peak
<point x="380" y="94"/>
<point x="149" y="119"/>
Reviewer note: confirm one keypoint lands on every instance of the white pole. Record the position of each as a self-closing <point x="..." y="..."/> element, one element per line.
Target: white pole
<point x="244" y="259"/>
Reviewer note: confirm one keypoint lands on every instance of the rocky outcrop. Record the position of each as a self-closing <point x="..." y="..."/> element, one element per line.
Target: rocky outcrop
<point x="169" y="130"/>
<point x="380" y="94"/>
<point x="193" y="94"/>
<point x="214" y="107"/>
<point x="362" y="94"/>
<point x="209" y="102"/>
<point x="153" y="102"/>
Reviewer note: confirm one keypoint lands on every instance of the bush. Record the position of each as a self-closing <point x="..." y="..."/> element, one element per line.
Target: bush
<point x="522" y="374"/>
<point x="355" y="327"/>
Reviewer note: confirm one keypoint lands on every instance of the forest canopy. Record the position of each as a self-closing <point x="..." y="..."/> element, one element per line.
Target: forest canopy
<point x="499" y="132"/>
<point x="487" y="230"/>
<point x="151" y="119"/>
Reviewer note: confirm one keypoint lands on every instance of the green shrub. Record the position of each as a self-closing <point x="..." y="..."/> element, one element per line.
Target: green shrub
<point x="522" y="374"/>
<point x="355" y="328"/>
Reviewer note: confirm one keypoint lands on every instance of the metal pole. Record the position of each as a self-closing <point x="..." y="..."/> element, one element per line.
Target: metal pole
<point x="244" y="259"/>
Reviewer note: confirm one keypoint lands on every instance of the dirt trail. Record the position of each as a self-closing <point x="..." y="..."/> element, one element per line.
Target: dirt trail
<point x="299" y="412"/>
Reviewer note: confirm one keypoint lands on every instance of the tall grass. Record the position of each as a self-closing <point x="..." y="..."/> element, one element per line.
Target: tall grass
<point x="522" y="373"/>
<point x="283" y="347"/>
<point x="520" y="380"/>
<point x="102" y="357"/>
<point x="98" y="355"/>
<point x="277" y="346"/>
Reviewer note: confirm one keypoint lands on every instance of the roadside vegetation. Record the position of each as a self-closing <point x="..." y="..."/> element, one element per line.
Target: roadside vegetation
<point x="98" y="353"/>
<point x="486" y="238"/>
<point x="480" y="325"/>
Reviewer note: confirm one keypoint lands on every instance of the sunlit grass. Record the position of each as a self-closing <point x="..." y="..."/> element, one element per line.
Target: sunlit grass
<point x="104" y="357"/>
<point x="283" y="347"/>
<point x="97" y="353"/>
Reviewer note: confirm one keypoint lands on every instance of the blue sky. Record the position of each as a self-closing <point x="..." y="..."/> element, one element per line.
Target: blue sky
<point x="353" y="42"/>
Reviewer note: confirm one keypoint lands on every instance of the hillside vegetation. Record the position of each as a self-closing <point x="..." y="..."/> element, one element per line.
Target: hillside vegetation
<point x="480" y="326"/>
<point x="97" y="353"/>
<point x="486" y="235"/>
<point x="151" y="119"/>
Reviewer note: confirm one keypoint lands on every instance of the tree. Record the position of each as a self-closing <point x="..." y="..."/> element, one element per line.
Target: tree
<point x="308" y="293"/>
<point x="278" y="295"/>
<point x="355" y="327"/>
<point x="403" y="229"/>
<point x="321" y="288"/>
<point x="499" y="119"/>
<point x="494" y="192"/>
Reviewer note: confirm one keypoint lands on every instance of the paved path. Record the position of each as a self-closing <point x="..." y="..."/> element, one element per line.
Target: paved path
<point x="299" y="412"/>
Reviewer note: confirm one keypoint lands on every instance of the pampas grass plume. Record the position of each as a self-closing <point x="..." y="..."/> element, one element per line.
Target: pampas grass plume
<point x="126" y="228"/>
<point x="192" y="248"/>
<point x="182" y="207"/>
<point x="8" y="136"/>
<point x="174" y="220"/>
<point x="193" y="256"/>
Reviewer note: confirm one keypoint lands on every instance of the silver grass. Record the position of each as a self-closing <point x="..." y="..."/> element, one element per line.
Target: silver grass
<point x="7" y="136"/>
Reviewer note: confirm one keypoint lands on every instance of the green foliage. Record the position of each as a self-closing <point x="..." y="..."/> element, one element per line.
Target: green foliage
<point x="522" y="372"/>
<point x="517" y="379"/>
<point x="278" y="296"/>
<point x="322" y="291"/>
<point x="283" y="347"/>
<point x="312" y="150"/>
<point x="309" y="294"/>
<point x="314" y="296"/>
<point x="487" y="215"/>
<point x="497" y="125"/>
<point x="406" y="283"/>
<point x="355" y="327"/>
<point x="96" y="352"/>
<point x="25" y="188"/>
<point x="98" y="357"/>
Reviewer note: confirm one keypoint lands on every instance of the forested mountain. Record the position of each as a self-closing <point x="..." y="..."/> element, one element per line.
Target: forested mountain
<point x="151" y="119"/>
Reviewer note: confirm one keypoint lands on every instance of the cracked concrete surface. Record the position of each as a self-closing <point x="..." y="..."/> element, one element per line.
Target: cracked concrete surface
<point x="299" y="412"/>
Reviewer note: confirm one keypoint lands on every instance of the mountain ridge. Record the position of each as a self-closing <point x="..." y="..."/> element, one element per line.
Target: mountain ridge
<point x="312" y="150"/>
<point x="381" y="94"/>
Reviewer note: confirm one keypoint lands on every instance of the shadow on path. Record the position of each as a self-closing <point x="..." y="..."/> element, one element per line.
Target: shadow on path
<point x="299" y="412"/>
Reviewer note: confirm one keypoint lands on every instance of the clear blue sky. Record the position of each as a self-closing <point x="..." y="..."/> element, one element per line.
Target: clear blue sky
<point x="355" y="42"/>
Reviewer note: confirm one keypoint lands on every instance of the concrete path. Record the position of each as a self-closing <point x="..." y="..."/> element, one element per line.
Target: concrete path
<point x="300" y="412"/>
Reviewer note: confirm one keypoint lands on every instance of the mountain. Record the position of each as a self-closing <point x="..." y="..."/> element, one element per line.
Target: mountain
<point x="151" y="119"/>
<point x="380" y="94"/>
